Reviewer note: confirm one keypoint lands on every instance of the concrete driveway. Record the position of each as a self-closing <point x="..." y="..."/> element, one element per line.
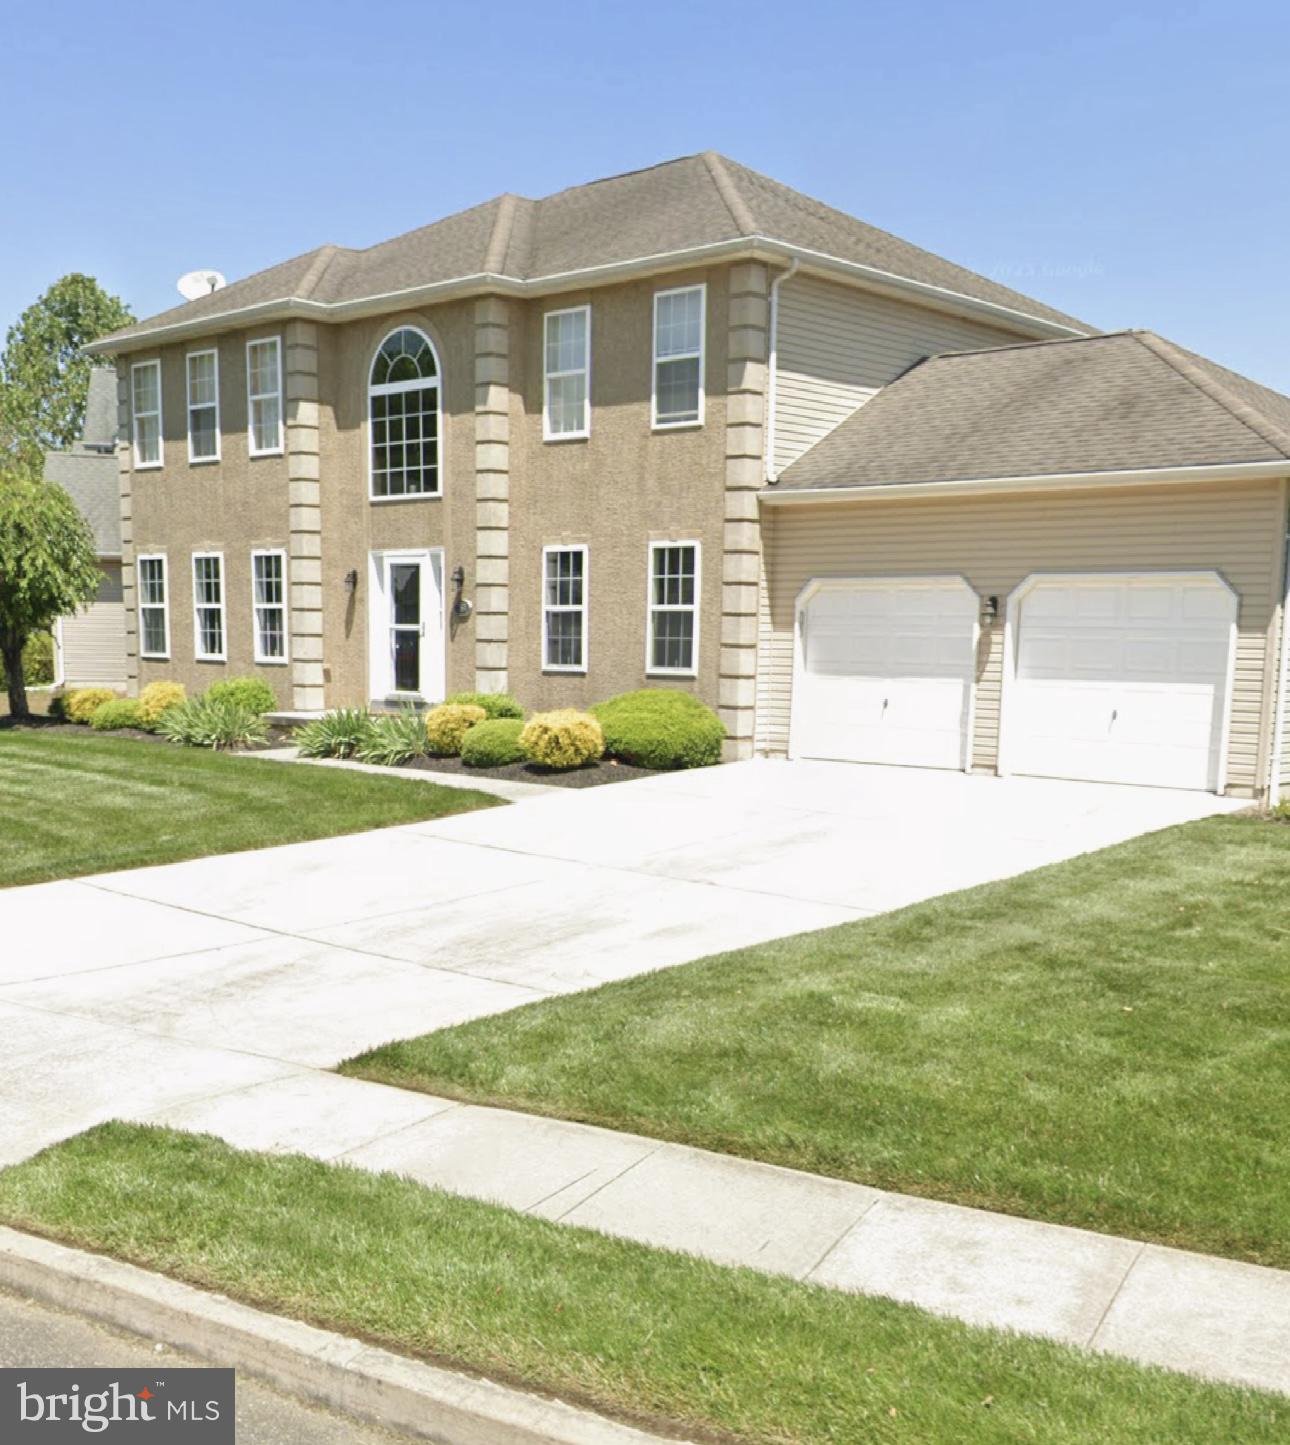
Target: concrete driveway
<point x="135" y="994"/>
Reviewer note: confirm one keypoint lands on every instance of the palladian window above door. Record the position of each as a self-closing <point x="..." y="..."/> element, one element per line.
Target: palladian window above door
<point x="405" y="417"/>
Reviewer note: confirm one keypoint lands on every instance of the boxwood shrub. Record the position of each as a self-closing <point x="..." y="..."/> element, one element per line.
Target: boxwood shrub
<point x="251" y="693"/>
<point x="493" y="743"/>
<point x="121" y="712"/>
<point x="565" y="738"/>
<point x="80" y="705"/>
<point x="495" y="704"/>
<point x="156" y="698"/>
<point x="659" y="727"/>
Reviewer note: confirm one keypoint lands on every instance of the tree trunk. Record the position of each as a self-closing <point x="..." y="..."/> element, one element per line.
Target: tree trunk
<point x="11" y="650"/>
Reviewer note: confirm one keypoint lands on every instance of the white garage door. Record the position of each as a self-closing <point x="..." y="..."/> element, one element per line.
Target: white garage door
<point x="884" y="671"/>
<point x="1121" y="679"/>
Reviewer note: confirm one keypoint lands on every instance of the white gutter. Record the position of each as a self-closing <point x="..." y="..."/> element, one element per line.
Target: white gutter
<point x="754" y="246"/>
<point x="772" y="364"/>
<point x="1042" y="482"/>
<point x="1276" y="763"/>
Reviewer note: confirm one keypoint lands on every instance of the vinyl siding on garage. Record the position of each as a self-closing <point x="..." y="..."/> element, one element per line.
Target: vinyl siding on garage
<point x="997" y="541"/>
<point x="93" y="641"/>
<point x="836" y="347"/>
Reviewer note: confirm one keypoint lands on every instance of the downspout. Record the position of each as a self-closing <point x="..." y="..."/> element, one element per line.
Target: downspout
<point x="772" y="376"/>
<point x="1276" y="764"/>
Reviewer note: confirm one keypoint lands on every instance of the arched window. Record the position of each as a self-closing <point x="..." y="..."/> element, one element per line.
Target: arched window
<point x="404" y="412"/>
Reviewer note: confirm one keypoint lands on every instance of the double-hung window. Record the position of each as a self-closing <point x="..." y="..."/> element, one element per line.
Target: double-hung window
<point x="154" y="609"/>
<point x="566" y="402"/>
<point x="145" y="404"/>
<point x="564" y="609"/>
<point x="208" y="606"/>
<point x="264" y="396"/>
<point x="203" y="406"/>
<point x="678" y="356"/>
<point x="269" y="605"/>
<point x="672" y="643"/>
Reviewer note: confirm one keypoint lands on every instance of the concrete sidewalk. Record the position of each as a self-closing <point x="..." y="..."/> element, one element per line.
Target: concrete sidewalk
<point x="1189" y="1312"/>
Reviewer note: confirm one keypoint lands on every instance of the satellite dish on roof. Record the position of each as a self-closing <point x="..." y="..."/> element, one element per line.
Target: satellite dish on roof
<point x="199" y="283"/>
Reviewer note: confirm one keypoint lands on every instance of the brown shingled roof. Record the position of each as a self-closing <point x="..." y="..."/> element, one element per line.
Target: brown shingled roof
<point x="680" y="205"/>
<point x="1120" y="402"/>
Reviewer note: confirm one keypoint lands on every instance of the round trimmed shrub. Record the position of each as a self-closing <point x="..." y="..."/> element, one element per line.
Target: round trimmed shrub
<point x="156" y="698"/>
<point x="493" y="743"/>
<point x="121" y="712"/>
<point x="447" y="725"/>
<point x="566" y="738"/>
<point x="252" y="694"/>
<point x="659" y="727"/>
<point x="495" y="704"/>
<point x="80" y="705"/>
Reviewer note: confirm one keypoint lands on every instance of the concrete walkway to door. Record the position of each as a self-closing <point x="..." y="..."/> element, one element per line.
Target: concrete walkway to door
<point x="215" y="994"/>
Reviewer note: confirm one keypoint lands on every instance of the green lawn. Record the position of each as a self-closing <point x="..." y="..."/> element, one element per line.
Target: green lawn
<point x="1102" y="1043"/>
<point x="620" y="1326"/>
<point x="74" y="805"/>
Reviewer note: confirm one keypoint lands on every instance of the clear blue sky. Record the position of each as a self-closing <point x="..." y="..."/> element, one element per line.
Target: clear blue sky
<point x="1125" y="162"/>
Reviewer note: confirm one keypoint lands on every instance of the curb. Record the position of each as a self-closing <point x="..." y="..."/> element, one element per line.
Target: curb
<point x="346" y="1375"/>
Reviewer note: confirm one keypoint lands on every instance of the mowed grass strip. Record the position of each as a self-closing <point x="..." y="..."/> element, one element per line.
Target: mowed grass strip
<point x="659" y="1337"/>
<point x="1103" y="1043"/>
<point x="74" y="805"/>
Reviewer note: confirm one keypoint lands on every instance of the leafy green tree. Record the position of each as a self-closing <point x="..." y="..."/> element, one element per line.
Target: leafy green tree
<point x="48" y="567"/>
<point x="44" y="374"/>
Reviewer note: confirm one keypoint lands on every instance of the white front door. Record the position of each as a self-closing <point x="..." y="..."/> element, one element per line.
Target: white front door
<point x="884" y="671"/>
<point x="406" y="636"/>
<point x="1120" y="678"/>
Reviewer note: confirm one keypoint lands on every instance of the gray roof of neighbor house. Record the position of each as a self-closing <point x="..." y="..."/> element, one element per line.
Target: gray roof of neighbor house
<point x="695" y="203"/>
<point x="1124" y="401"/>
<point x="88" y="470"/>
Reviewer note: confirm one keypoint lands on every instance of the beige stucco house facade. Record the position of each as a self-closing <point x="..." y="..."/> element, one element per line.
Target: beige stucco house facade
<point x="686" y="427"/>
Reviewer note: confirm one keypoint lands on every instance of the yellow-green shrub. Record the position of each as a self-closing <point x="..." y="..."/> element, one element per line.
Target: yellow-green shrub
<point x="566" y="738"/>
<point x="156" y="698"/>
<point x="447" y="725"/>
<point x="81" y="704"/>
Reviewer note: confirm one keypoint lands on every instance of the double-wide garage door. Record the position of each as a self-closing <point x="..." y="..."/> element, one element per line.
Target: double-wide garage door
<point x="1107" y="677"/>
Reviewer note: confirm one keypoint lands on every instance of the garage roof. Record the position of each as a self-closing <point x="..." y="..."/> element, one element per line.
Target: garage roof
<point x="1124" y="401"/>
<point x="689" y="205"/>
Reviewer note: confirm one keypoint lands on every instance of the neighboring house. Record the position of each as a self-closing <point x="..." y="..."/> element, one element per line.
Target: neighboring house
<point x="679" y="427"/>
<point x="90" y="644"/>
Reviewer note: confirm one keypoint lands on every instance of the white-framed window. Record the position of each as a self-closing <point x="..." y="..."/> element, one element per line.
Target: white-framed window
<point x="564" y="609"/>
<point x="154" y="605"/>
<point x="404" y="417"/>
<point x="264" y="396"/>
<point x="672" y="632"/>
<point x="145" y="407"/>
<point x="269" y="604"/>
<point x="208" y="606"/>
<point x="678" y="356"/>
<point x="203" y="406"/>
<point x="566" y="395"/>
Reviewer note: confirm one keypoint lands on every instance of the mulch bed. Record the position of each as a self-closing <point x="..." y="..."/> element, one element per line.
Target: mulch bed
<point x="278" y="737"/>
<point x="591" y="776"/>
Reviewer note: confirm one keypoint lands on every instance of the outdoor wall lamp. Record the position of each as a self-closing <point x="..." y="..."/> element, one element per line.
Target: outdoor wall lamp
<point x="351" y="580"/>
<point x="989" y="609"/>
<point x="461" y="606"/>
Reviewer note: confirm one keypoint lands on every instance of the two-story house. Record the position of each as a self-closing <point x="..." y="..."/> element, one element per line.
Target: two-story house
<point x="680" y="427"/>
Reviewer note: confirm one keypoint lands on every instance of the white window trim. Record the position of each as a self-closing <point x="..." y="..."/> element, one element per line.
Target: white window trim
<point x="190" y="408"/>
<point x="165" y="603"/>
<point x="387" y="389"/>
<point x="198" y="654"/>
<point x="260" y="657"/>
<point x="580" y="667"/>
<point x="583" y="432"/>
<point x="135" y="414"/>
<point x="655" y="424"/>
<point x="253" y="396"/>
<point x="693" y="669"/>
